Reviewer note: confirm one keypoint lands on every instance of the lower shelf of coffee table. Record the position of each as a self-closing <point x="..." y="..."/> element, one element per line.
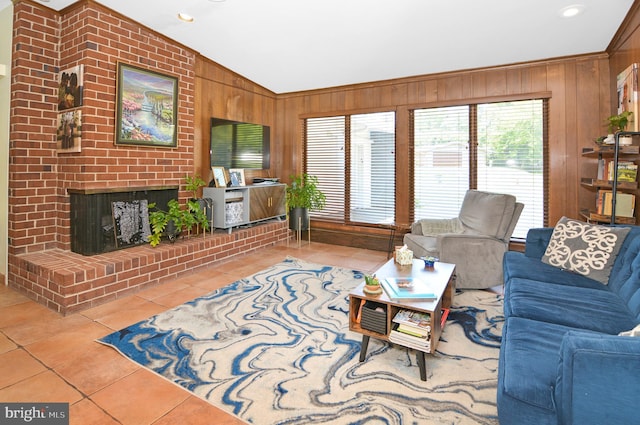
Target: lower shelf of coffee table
<point x="391" y="309"/>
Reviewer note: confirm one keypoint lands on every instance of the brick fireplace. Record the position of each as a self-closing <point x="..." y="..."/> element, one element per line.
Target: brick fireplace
<point x="43" y="181"/>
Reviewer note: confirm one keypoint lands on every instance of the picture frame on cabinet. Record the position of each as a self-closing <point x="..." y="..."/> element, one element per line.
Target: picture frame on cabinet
<point x="220" y="176"/>
<point x="146" y="108"/>
<point x="236" y="176"/>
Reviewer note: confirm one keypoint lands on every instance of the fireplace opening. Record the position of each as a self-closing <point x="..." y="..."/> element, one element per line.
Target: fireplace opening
<point x="104" y="220"/>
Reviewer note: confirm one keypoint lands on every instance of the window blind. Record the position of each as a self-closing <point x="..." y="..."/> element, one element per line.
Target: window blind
<point x="372" y="168"/>
<point x="510" y="156"/>
<point x="440" y="161"/>
<point x="496" y="147"/>
<point x="325" y="159"/>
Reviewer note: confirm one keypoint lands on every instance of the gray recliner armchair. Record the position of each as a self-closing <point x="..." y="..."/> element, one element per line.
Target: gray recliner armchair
<point x="475" y="241"/>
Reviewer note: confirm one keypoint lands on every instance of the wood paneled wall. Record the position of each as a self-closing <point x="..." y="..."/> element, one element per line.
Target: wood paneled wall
<point x="581" y="92"/>
<point x="221" y="93"/>
<point x="624" y="49"/>
<point x="577" y="87"/>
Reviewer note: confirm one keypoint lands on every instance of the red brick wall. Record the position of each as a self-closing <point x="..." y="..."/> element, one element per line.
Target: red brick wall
<point x="33" y="185"/>
<point x="46" y="43"/>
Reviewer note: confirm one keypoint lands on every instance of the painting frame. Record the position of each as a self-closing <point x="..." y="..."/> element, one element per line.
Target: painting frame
<point x="220" y="176"/>
<point x="69" y="131"/>
<point x="70" y="88"/>
<point x="146" y="107"/>
<point x="236" y="177"/>
<point x="628" y="97"/>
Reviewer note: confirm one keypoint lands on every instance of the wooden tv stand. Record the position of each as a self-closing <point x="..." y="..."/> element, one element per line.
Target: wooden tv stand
<point x="244" y="205"/>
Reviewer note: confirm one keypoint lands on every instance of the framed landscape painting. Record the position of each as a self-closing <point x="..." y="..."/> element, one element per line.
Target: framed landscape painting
<point x="146" y="108"/>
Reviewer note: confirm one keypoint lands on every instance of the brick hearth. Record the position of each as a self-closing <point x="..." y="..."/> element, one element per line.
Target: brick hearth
<point x="68" y="282"/>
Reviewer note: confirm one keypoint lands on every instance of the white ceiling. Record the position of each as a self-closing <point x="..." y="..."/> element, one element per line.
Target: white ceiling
<point x="293" y="45"/>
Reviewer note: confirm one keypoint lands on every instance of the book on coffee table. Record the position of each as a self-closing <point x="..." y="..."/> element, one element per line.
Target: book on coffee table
<point x="407" y="289"/>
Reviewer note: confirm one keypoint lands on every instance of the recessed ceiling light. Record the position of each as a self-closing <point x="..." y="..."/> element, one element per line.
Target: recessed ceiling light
<point x="571" y="11"/>
<point x="185" y="17"/>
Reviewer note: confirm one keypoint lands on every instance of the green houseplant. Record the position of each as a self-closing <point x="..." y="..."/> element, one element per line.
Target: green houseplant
<point x="193" y="185"/>
<point x="303" y="195"/>
<point x="175" y="220"/>
<point x="617" y="123"/>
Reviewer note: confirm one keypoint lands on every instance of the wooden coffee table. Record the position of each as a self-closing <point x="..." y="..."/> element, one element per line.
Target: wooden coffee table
<point x="441" y="279"/>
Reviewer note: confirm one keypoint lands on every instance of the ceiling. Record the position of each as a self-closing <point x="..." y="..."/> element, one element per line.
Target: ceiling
<point x="294" y="45"/>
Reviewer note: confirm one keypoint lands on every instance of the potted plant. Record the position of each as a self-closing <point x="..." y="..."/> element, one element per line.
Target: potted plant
<point x="617" y="123"/>
<point x="303" y="196"/>
<point x="193" y="185"/>
<point x="175" y="220"/>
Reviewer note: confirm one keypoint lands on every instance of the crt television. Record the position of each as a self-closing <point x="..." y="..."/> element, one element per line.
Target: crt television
<point x="239" y="144"/>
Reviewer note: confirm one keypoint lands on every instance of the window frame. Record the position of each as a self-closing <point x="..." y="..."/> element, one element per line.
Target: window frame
<point x="346" y="214"/>
<point x="545" y="97"/>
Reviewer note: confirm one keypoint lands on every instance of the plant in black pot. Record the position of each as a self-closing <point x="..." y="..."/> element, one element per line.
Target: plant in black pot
<point x="175" y="220"/>
<point x="303" y="196"/>
<point x="193" y="185"/>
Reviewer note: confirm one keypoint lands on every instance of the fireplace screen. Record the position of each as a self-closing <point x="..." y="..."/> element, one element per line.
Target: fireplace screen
<point x="115" y="219"/>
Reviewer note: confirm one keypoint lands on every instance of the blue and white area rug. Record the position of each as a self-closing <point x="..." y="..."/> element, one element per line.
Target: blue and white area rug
<point x="275" y="348"/>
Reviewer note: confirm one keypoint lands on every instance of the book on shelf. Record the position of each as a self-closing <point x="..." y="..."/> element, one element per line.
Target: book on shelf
<point x="414" y="331"/>
<point x="417" y="322"/>
<point x="418" y="342"/>
<point x="407" y="289"/>
<point x="412" y="317"/>
<point x="627" y="170"/>
<point x="625" y="203"/>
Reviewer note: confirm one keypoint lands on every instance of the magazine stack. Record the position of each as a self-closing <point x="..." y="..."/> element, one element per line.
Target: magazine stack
<point x="412" y="329"/>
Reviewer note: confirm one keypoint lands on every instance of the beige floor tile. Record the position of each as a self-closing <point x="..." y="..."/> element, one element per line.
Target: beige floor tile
<point x="10" y="297"/>
<point x="215" y="281"/>
<point x="45" y="387"/>
<point x="114" y="307"/>
<point x="26" y="333"/>
<point x="86" y="412"/>
<point x="16" y="366"/>
<point x="24" y="312"/>
<point x="140" y="398"/>
<point x="125" y="312"/>
<point x="176" y="298"/>
<point x="97" y="367"/>
<point x="163" y="289"/>
<point x="6" y="344"/>
<point x="65" y="347"/>
<point x="195" y="411"/>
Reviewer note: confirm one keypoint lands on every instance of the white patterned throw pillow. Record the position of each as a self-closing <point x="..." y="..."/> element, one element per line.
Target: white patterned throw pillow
<point x="633" y="332"/>
<point x="584" y="248"/>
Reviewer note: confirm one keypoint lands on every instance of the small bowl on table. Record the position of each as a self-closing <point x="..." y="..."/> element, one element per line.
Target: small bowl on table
<point x="429" y="262"/>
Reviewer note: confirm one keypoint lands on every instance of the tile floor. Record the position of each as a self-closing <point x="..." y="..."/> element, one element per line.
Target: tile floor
<point x="45" y="357"/>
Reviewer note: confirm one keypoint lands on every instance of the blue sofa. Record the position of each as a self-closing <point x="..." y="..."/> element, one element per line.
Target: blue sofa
<point x="561" y="359"/>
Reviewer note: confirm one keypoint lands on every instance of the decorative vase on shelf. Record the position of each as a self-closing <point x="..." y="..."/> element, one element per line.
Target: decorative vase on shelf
<point x="625" y="140"/>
